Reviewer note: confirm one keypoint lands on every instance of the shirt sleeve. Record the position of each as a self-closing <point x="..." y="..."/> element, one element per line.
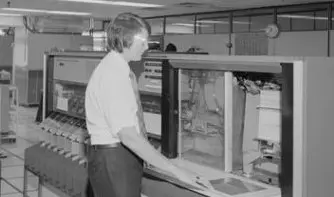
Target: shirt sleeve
<point x="119" y="103"/>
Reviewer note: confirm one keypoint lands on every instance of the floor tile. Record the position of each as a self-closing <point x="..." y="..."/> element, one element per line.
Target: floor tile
<point x="51" y="192"/>
<point x="33" y="194"/>
<point x="17" y="148"/>
<point x="7" y="189"/>
<point x="11" y="161"/>
<point x="12" y="172"/>
<point x="31" y="186"/>
<point x="27" y="134"/>
<point x="30" y="194"/>
<point x="12" y="195"/>
<point x="20" y="144"/>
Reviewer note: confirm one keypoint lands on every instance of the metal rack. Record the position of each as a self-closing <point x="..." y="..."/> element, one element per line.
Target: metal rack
<point x="41" y="183"/>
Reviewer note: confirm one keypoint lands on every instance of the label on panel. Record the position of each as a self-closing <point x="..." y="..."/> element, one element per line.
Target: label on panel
<point x="150" y="79"/>
<point x="62" y="103"/>
<point x="74" y="70"/>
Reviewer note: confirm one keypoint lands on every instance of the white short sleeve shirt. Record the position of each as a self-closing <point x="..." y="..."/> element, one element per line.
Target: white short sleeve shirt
<point x="110" y="101"/>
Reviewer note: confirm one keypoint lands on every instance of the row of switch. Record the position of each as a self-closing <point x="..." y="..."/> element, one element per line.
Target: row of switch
<point x="153" y="77"/>
<point x="77" y="105"/>
<point x="65" y="134"/>
<point x="152" y="63"/>
<point x="151" y="70"/>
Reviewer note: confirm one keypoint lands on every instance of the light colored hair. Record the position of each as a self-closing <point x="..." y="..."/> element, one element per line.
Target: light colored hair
<point x="121" y="31"/>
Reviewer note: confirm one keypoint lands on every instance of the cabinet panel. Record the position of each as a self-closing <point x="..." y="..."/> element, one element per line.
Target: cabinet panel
<point x="32" y="86"/>
<point x="29" y="83"/>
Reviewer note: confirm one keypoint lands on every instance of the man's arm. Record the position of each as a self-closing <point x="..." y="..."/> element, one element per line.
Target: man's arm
<point x="120" y="109"/>
<point x="140" y="146"/>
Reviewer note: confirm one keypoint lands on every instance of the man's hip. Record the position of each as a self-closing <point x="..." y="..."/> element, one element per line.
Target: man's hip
<point x="114" y="170"/>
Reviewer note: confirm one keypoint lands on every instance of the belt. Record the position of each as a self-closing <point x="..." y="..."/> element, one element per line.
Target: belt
<point x="105" y="146"/>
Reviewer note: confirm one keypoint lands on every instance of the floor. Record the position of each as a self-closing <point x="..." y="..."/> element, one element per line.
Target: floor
<point x="12" y="166"/>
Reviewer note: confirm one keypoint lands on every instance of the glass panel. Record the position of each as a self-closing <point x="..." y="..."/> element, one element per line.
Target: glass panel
<point x="149" y="84"/>
<point x="100" y="41"/>
<point x="155" y="43"/>
<point x="155" y="142"/>
<point x="284" y="23"/>
<point x="257" y="118"/>
<point x="223" y="26"/>
<point x="255" y="122"/>
<point x="321" y="20"/>
<point x="98" y="25"/>
<point x="212" y="24"/>
<point x="69" y="98"/>
<point x="151" y="105"/>
<point x="241" y="24"/>
<point x="332" y="17"/>
<point x="252" y="20"/>
<point x="302" y="18"/>
<point x="156" y="25"/>
<point x="202" y="119"/>
<point x="302" y="21"/>
<point x="180" y="25"/>
<point x="259" y="23"/>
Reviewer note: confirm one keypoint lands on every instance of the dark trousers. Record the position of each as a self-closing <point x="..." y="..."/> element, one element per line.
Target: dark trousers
<point x="115" y="172"/>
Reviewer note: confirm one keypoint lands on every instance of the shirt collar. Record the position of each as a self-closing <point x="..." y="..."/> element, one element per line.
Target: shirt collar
<point x="118" y="61"/>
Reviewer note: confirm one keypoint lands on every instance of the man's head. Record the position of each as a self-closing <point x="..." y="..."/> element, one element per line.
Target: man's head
<point x="128" y="34"/>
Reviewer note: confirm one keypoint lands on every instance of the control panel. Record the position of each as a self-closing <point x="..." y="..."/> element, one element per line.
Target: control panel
<point x="150" y="84"/>
<point x="150" y="79"/>
<point x="74" y="69"/>
<point x="65" y="134"/>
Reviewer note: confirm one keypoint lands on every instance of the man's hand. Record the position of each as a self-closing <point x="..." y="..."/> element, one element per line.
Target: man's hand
<point x="192" y="179"/>
<point x="204" y="183"/>
<point x="184" y="176"/>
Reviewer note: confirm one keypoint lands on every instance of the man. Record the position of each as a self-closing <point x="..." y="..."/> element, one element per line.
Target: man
<point x="114" y="116"/>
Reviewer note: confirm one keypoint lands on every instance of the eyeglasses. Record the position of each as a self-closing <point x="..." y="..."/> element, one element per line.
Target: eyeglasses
<point x="140" y="38"/>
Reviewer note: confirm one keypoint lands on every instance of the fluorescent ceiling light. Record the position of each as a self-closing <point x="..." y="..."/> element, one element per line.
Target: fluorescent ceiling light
<point x="241" y="23"/>
<point x="212" y="22"/>
<point x="302" y="17"/>
<point x="9" y="14"/>
<point x="222" y="22"/>
<point x="189" y="25"/>
<point x="47" y="11"/>
<point x="120" y="3"/>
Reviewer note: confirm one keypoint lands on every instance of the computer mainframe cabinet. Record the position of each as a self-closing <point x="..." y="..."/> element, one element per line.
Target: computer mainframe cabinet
<point x="303" y="118"/>
<point x="29" y="84"/>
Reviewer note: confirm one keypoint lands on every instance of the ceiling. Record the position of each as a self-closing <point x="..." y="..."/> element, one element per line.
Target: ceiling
<point x="170" y="7"/>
